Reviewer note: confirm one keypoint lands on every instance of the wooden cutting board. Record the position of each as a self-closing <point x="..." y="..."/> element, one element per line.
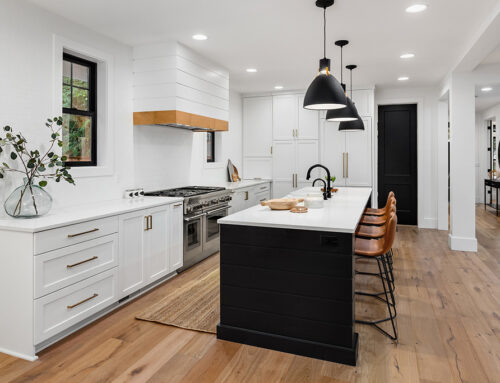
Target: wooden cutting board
<point x="282" y="203"/>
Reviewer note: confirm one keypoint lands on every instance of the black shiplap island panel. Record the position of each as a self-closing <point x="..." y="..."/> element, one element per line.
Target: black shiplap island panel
<point x="289" y="290"/>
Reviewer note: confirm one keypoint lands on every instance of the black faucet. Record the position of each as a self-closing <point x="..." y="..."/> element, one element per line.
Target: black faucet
<point x="328" y="186"/>
<point x="324" y="190"/>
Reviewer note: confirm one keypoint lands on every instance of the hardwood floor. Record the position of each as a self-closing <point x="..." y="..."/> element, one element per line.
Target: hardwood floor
<point x="448" y="320"/>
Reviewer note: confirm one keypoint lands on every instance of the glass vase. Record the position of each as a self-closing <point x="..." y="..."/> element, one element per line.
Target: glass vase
<point x="28" y="201"/>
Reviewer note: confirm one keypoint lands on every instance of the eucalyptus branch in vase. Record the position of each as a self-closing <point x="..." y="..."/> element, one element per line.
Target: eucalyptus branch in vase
<point x="34" y="165"/>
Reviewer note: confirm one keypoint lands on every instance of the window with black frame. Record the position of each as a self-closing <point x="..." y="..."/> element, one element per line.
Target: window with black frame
<point x="211" y="147"/>
<point x="79" y="134"/>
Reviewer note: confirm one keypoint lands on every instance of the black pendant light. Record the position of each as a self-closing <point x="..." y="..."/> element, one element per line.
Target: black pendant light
<point x="349" y="113"/>
<point x="325" y="92"/>
<point x="357" y="124"/>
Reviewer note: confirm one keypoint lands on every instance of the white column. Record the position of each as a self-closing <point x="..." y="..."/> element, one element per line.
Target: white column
<point x="442" y="165"/>
<point x="462" y="164"/>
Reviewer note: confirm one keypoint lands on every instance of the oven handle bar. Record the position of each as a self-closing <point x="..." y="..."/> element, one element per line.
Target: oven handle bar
<point x="218" y="209"/>
<point x="194" y="217"/>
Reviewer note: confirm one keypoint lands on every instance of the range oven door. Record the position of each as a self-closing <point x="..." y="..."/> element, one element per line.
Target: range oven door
<point x="211" y="243"/>
<point x="193" y="239"/>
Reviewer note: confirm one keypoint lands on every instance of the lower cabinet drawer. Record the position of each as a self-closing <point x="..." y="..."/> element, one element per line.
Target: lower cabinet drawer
<point x="53" y="239"/>
<point x="60" y="310"/>
<point x="63" y="267"/>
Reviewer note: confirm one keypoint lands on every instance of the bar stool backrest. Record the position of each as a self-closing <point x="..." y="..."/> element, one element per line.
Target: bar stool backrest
<point x="390" y="209"/>
<point x="389" y="198"/>
<point x="390" y="232"/>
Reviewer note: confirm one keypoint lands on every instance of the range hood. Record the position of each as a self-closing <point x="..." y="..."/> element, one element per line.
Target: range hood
<point x="176" y="87"/>
<point x="180" y="120"/>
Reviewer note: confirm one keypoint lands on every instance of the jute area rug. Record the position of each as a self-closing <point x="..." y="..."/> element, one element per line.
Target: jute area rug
<point x="194" y="306"/>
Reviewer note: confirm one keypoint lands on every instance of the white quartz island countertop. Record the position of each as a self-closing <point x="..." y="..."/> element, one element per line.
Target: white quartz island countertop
<point x="339" y="214"/>
<point x="82" y="213"/>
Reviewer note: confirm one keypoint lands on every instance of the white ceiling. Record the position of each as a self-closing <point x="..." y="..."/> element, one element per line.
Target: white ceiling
<point x="283" y="38"/>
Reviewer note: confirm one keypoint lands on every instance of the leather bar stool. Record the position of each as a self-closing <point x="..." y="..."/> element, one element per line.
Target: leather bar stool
<point x="380" y="212"/>
<point x="371" y="231"/>
<point x="378" y="250"/>
<point x="376" y="220"/>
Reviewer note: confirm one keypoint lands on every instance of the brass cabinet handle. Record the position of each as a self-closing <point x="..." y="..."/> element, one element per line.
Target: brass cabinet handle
<point x="343" y="165"/>
<point x="246" y="196"/>
<point x="147" y="223"/>
<point x="347" y="165"/>
<point x="178" y="204"/>
<point x="81" y="302"/>
<point x="81" y="262"/>
<point x="85" y="232"/>
<point x="150" y="222"/>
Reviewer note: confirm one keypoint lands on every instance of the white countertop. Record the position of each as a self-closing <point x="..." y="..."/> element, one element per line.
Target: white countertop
<point x="340" y="214"/>
<point x="242" y="184"/>
<point x="82" y="213"/>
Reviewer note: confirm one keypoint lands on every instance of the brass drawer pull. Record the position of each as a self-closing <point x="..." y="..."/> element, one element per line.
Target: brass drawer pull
<point x="178" y="204"/>
<point x="81" y="302"/>
<point x="79" y="263"/>
<point x="85" y="232"/>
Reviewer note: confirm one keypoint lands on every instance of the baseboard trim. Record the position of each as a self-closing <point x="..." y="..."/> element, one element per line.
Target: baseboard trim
<point x="30" y="358"/>
<point x="462" y="243"/>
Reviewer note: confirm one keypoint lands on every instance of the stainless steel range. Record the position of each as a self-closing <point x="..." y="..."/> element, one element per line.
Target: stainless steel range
<point x="203" y="206"/>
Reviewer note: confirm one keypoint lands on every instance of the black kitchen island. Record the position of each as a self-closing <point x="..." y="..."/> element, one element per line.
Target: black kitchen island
<point x="287" y="280"/>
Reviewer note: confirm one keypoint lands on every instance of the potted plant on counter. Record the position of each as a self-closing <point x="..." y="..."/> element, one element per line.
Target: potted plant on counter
<point x="30" y="199"/>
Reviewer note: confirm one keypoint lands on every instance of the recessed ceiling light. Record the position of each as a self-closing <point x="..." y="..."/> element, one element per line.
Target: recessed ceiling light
<point x="200" y="37"/>
<point x="407" y="55"/>
<point x="415" y="8"/>
<point x="251" y="70"/>
<point x="486" y="89"/>
<point x="278" y="87"/>
<point x="403" y="78"/>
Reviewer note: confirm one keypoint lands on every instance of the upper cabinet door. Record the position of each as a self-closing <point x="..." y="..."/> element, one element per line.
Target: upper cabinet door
<point x="364" y="101"/>
<point x="283" y="160"/>
<point x="257" y="126"/>
<point x="359" y="156"/>
<point x="157" y="242"/>
<point x="285" y="117"/>
<point x="308" y="122"/>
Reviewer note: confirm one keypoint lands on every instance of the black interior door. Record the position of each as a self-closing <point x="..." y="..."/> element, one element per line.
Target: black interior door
<point x="397" y="159"/>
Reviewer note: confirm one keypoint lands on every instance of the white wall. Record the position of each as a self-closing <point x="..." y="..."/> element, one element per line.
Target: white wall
<point x="427" y="115"/>
<point x="26" y="89"/>
<point x="169" y="157"/>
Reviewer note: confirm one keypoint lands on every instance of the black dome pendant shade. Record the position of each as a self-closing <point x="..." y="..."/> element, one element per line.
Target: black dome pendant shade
<point x="349" y="113"/>
<point x="325" y="92"/>
<point x="357" y="124"/>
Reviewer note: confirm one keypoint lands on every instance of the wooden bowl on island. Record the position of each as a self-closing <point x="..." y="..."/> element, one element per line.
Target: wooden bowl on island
<point x="282" y="203"/>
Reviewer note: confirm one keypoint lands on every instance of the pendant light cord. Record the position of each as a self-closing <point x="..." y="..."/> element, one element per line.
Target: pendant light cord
<point x="324" y="32"/>
<point x="341" y="65"/>
<point x="351" y="84"/>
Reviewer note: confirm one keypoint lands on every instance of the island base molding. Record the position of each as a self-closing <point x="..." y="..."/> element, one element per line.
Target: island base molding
<point x="295" y="346"/>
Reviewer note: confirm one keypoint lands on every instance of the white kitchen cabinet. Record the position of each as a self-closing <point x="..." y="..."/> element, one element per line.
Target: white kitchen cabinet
<point x="132" y="227"/>
<point x="176" y="236"/>
<point x="292" y="121"/>
<point x="285" y="117"/>
<point x="156" y="243"/>
<point x="257" y="126"/>
<point x="364" y="101"/>
<point x="348" y="154"/>
<point x="308" y="122"/>
<point x="244" y="198"/>
<point x="291" y="160"/>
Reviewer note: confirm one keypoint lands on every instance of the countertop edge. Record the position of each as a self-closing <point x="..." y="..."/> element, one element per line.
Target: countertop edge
<point x="118" y="211"/>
